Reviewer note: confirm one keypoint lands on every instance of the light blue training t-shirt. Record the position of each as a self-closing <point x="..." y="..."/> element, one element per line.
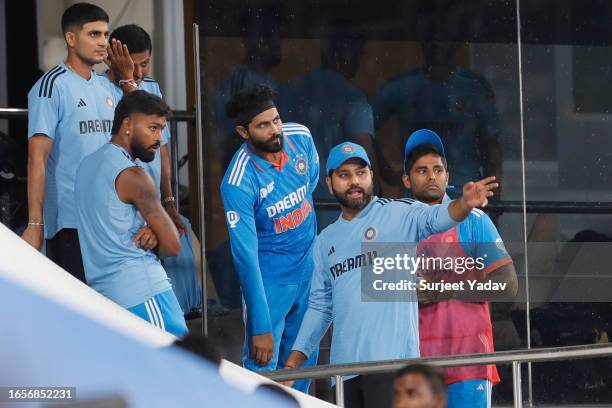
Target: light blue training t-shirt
<point x="365" y="330"/>
<point x="126" y="274"/>
<point x="77" y="114"/>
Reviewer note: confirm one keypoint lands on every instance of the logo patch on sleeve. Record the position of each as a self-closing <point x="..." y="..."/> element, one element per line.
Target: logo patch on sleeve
<point x="232" y="218"/>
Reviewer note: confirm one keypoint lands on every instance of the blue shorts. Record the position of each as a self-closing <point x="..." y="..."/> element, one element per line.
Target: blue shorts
<point x="287" y="304"/>
<point x="163" y="311"/>
<point x="469" y="394"/>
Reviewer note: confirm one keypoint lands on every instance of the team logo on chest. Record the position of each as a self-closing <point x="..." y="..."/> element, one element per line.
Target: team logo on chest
<point x="370" y="234"/>
<point x="109" y="102"/>
<point x="301" y="166"/>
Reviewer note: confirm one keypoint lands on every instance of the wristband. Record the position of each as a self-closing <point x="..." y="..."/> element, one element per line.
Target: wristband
<point x="36" y="224"/>
<point x="129" y="82"/>
<point x="168" y="200"/>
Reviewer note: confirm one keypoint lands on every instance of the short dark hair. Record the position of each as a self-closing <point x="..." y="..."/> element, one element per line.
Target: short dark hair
<point x="138" y="102"/>
<point x="433" y="376"/>
<point x="420" y="151"/>
<point x="247" y="100"/>
<point x="80" y="14"/>
<point x="134" y="36"/>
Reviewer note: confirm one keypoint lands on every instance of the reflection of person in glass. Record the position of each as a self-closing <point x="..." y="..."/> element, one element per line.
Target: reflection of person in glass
<point x="449" y="323"/>
<point x="262" y="52"/>
<point x="328" y="103"/>
<point x="457" y="104"/>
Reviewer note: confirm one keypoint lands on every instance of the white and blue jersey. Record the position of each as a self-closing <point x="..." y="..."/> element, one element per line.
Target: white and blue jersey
<point x="365" y="330"/>
<point x="77" y="114"/>
<point x="151" y="86"/>
<point x="126" y="274"/>
<point x="270" y="219"/>
<point x="461" y="110"/>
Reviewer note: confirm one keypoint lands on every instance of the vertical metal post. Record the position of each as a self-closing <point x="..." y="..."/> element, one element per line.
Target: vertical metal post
<point x="517" y="391"/>
<point x="200" y="176"/>
<point x="174" y="162"/>
<point x="519" y="45"/>
<point x="339" y="391"/>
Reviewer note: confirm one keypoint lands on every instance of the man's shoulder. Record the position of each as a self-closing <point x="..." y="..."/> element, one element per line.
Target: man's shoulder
<point x="49" y="82"/>
<point x="477" y="219"/>
<point x="151" y="85"/>
<point x="238" y="173"/>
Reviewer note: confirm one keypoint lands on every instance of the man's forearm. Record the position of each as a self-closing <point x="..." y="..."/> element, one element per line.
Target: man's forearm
<point x="36" y="188"/>
<point x="166" y="183"/>
<point x="458" y="209"/>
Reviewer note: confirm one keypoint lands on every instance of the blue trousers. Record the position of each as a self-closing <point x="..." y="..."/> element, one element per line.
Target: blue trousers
<point x="287" y="304"/>
<point x="469" y="394"/>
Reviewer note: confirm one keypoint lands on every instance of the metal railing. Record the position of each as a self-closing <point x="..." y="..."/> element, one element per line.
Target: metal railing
<point x="514" y="357"/>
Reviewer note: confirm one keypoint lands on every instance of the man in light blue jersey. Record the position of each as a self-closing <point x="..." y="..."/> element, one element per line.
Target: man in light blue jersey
<point x="70" y="116"/>
<point x="267" y="196"/>
<point x="368" y="330"/>
<point x="123" y="229"/>
<point x="129" y="59"/>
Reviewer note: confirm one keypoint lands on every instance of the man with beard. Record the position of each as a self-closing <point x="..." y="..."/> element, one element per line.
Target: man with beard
<point x="123" y="229"/>
<point x="267" y="197"/>
<point x="70" y="115"/>
<point x="368" y="330"/>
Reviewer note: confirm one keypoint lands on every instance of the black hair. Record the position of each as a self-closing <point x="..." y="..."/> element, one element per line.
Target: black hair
<point x="199" y="345"/>
<point x="138" y="102"/>
<point x="433" y="376"/>
<point x="249" y="100"/>
<point x="134" y="36"/>
<point x="420" y="151"/>
<point x="80" y="14"/>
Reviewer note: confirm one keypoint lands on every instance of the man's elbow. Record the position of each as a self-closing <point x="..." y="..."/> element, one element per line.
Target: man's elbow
<point x="170" y="248"/>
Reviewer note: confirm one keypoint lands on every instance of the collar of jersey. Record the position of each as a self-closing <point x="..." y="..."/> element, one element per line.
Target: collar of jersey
<point x="262" y="164"/>
<point x="125" y="152"/>
<point x="446" y="199"/>
<point x="71" y="72"/>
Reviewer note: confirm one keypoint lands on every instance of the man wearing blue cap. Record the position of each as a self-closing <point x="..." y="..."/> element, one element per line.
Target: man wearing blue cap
<point x="372" y="330"/>
<point x="426" y="174"/>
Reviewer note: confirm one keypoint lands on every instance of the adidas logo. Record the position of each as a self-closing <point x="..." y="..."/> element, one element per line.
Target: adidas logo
<point x="81" y="103"/>
<point x="332" y="250"/>
<point x="480" y="388"/>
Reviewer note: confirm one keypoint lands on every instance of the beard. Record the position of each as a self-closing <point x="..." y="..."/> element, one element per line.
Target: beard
<point x="270" y="145"/>
<point x="355" y="203"/>
<point x="143" y="153"/>
<point x="428" y="197"/>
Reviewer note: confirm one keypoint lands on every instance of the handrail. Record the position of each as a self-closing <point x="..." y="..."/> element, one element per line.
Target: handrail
<point x="542" y="207"/>
<point x="19" y="113"/>
<point x="498" y="357"/>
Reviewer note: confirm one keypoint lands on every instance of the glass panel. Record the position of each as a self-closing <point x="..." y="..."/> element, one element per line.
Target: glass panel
<point x="370" y="73"/>
<point x="566" y="58"/>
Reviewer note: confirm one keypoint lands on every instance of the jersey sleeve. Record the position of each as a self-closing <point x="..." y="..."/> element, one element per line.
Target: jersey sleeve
<point x="318" y="316"/>
<point x="384" y="104"/>
<point x="359" y="118"/>
<point x="421" y="220"/>
<point x="485" y="241"/>
<point x="314" y="167"/>
<point x="43" y="111"/>
<point x="238" y="203"/>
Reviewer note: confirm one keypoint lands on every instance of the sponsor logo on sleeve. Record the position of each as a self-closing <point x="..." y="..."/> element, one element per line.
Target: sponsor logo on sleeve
<point x="232" y="218"/>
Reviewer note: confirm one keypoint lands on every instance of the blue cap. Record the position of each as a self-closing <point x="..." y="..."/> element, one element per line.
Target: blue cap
<point x="344" y="151"/>
<point x="423" y="136"/>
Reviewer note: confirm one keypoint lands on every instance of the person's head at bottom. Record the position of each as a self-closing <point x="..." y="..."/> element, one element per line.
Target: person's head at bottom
<point x="419" y="386"/>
